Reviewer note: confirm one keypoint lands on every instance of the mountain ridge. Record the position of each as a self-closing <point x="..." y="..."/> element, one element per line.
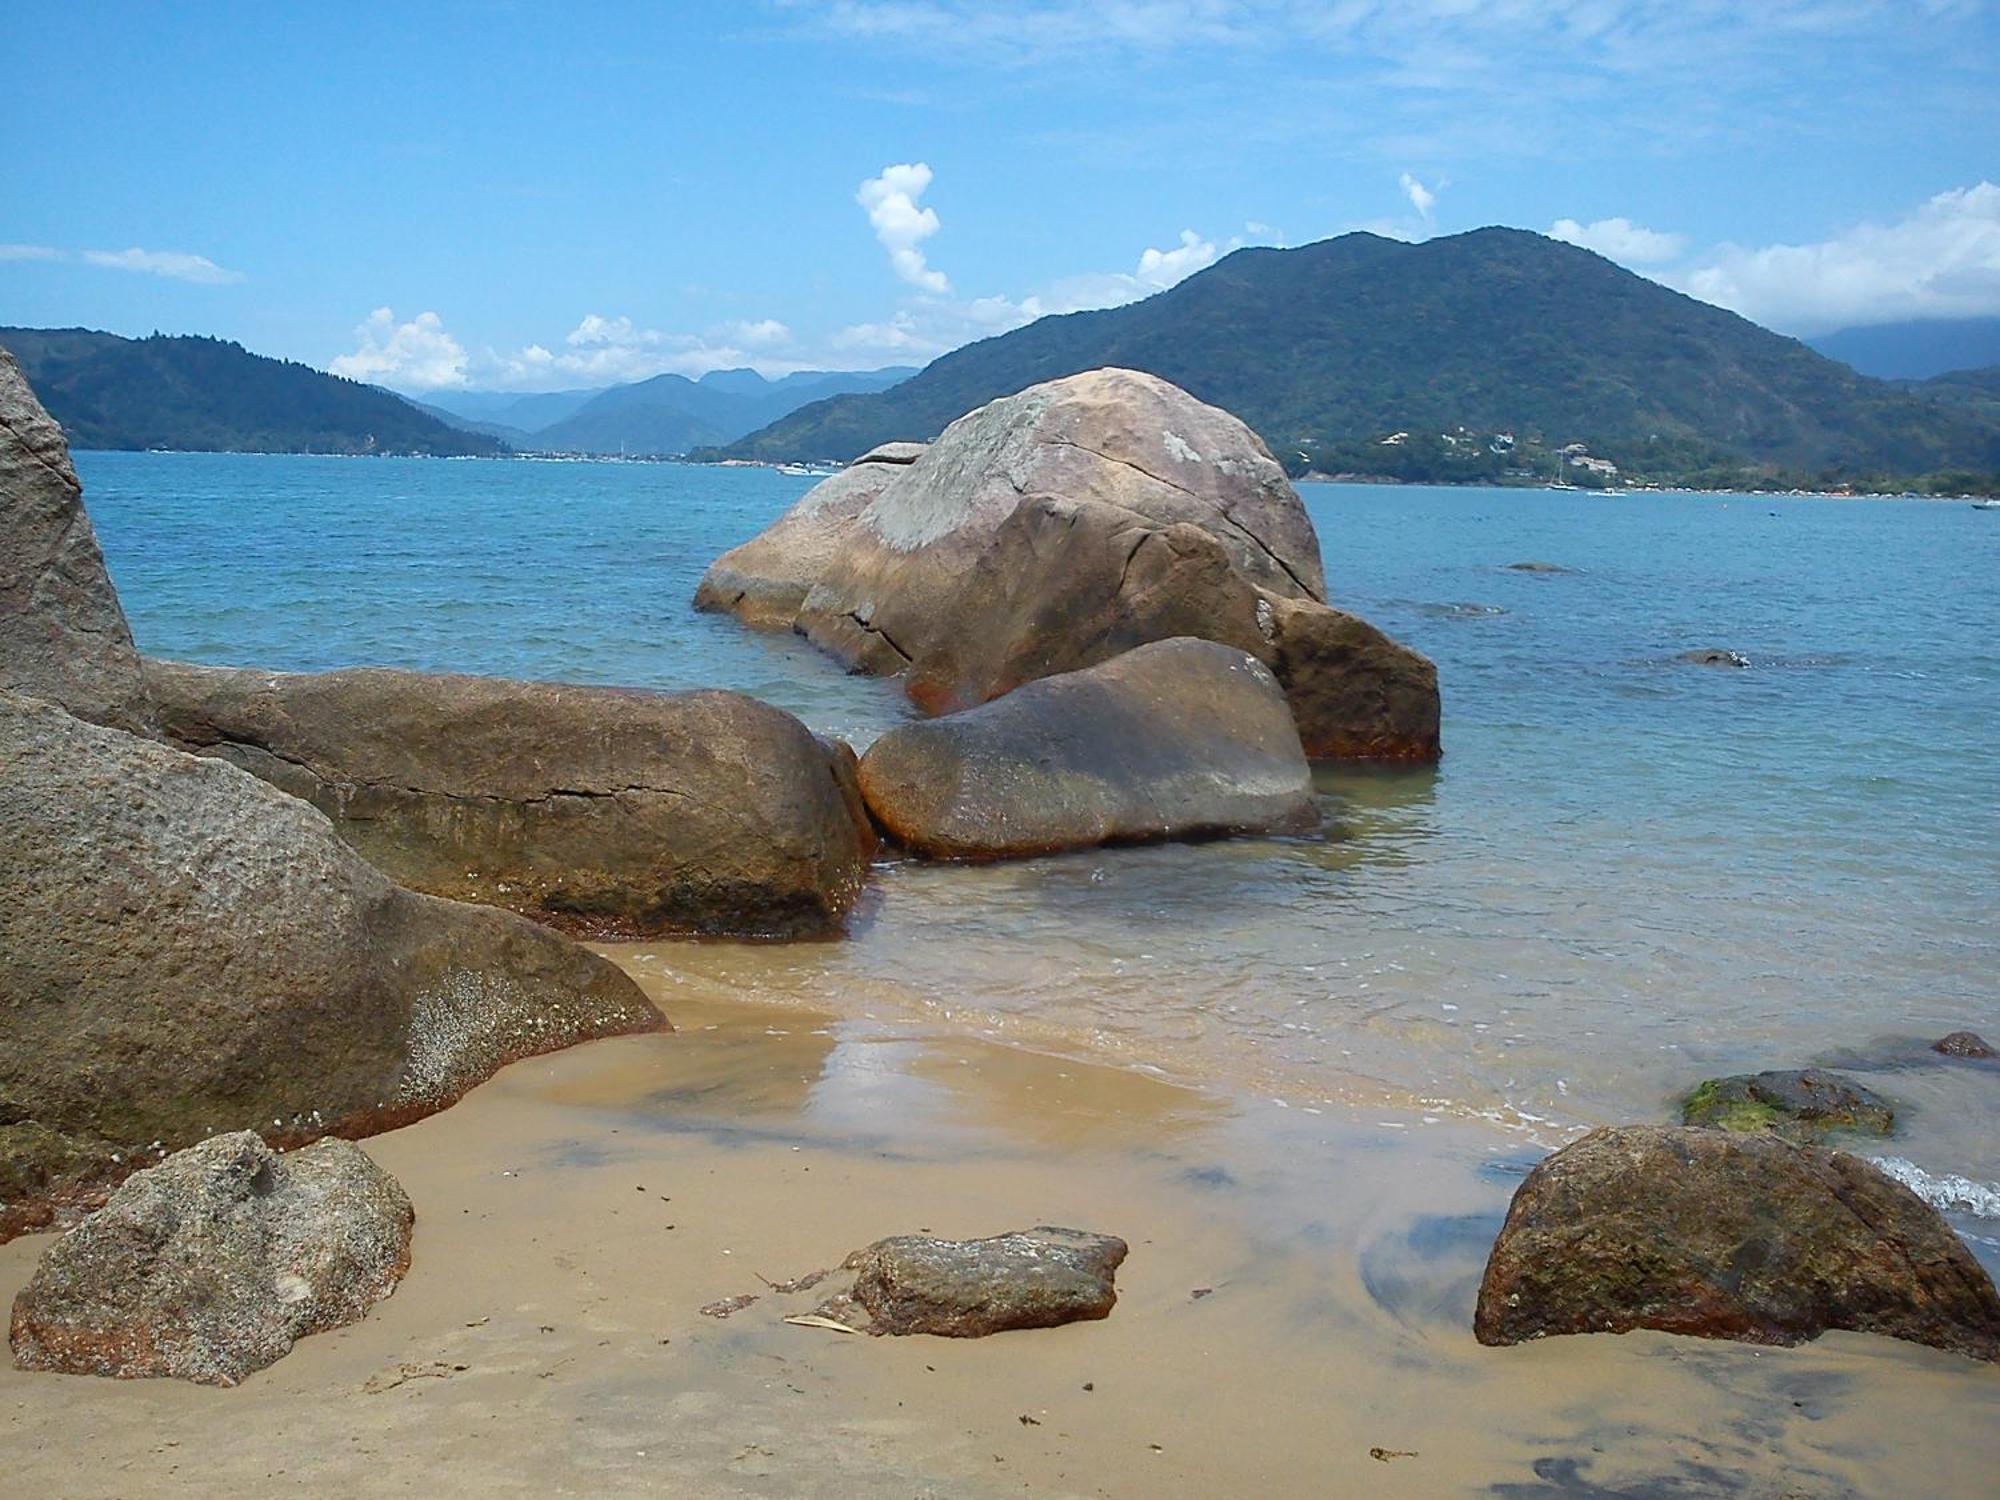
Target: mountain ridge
<point x="192" y="393"/>
<point x="1329" y="348"/>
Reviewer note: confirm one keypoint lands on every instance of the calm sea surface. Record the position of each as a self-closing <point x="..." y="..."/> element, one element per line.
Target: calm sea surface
<point x="1629" y="873"/>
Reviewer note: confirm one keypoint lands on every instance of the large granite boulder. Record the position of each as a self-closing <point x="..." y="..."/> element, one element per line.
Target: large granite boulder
<point x="1728" y="1236"/>
<point x="212" y="1264"/>
<point x="1803" y="1103"/>
<point x="1175" y="739"/>
<point x="608" y="812"/>
<point x="185" y="950"/>
<point x="1054" y="529"/>
<point x="965" y="1289"/>
<point x="764" y="581"/>
<point x="63" y="636"/>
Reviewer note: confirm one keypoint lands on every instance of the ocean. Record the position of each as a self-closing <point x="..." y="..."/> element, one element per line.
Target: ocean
<point x="1629" y="873"/>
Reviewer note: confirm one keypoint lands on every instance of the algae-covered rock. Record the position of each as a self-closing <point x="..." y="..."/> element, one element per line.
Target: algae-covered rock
<point x="215" y="1262"/>
<point x="1803" y="1103"/>
<point x="1729" y="1236"/>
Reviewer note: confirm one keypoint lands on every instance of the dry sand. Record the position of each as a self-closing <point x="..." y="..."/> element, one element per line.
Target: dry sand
<point x="575" y="1213"/>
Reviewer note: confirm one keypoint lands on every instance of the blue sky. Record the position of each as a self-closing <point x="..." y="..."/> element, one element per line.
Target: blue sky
<point x="538" y="196"/>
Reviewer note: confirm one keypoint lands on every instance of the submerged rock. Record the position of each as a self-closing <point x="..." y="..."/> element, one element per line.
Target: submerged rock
<point x="966" y="1289"/>
<point x="1714" y="657"/>
<point x="1173" y="740"/>
<point x="212" y="1264"/>
<point x="1964" y="1044"/>
<point x="186" y="950"/>
<point x="63" y="636"/>
<point x="1717" y="1235"/>
<point x="1802" y="1102"/>
<point x="1054" y="529"/>
<point x="764" y="581"/>
<point x="608" y="812"/>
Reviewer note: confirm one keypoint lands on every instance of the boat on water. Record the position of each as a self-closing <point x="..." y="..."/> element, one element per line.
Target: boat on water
<point x="1986" y="505"/>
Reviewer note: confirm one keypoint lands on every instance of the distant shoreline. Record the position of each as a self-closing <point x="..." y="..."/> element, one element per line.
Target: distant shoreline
<point x="1381" y="480"/>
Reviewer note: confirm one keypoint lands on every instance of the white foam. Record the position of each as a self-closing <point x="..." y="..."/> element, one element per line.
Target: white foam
<point x="1944" y="1192"/>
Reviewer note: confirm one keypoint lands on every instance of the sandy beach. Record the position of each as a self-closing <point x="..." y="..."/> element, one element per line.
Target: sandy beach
<point x="1294" y="1318"/>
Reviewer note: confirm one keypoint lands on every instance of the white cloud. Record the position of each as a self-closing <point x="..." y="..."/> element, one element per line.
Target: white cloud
<point x="1422" y="199"/>
<point x="177" y="264"/>
<point x="422" y="355"/>
<point x="31" y="252"/>
<point x="902" y="226"/>
<point x="418" y="355"/>
<point x="1621" y="240"/>
<point x="1161" y="269"/>
<point x="766" y="333"/>
<point x="599" y="332"/>
<point x="1941" y="261"/>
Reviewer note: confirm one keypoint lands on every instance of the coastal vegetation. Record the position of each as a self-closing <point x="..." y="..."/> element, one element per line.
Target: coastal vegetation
<point x="1331" y="350"/>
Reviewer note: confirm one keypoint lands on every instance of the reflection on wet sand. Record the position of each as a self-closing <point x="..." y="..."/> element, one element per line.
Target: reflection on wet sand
<point x="1294" y="1318"/>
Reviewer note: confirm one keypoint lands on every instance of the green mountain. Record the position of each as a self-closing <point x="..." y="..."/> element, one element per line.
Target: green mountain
<point x="1328" y="349"/>
<point x="207" y="395"/>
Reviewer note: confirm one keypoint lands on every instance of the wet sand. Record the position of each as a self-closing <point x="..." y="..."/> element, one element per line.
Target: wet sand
<point x="578" y="1211"/>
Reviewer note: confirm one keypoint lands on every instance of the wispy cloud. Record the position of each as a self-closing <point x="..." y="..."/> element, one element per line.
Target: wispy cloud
<point x="891" y="203"/>
<point x="1443" y="78"/>
<point x="1422" y="199"/>
<point x="177" y="264"/>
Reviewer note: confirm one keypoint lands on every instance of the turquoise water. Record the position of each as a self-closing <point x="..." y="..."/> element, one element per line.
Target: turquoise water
<point x="1630" y="872"/>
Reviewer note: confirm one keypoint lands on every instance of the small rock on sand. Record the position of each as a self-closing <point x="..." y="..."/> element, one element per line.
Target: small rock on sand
<point x="1035" y="1278"/>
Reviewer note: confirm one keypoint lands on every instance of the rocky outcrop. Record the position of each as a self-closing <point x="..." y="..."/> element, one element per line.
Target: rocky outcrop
<point x="63" y="636"/>
<point x="1964" y="1044"/>
<point x="1175" y="739"/>
<point x="1054" y="529"/>
<point x="607" y="812"/>
<point x="1717" y="1235"/>
<point x="966" y="1289"/>
<point x="212" y="1264"/>
<point x="764" y="581"/>
<point x="1803" y="1103"/>
<point x="185" y="950"/>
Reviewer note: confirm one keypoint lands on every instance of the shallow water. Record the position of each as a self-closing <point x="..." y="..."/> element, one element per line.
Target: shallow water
<point x="1630" y="872"/>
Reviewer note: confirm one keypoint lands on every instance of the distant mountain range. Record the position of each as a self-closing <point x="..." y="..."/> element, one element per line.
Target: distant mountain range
<point x="1332" y="349"/>
<point x="207" y="395"/>
<point x="1915" y="351"/>
<point x="664" y="415"/>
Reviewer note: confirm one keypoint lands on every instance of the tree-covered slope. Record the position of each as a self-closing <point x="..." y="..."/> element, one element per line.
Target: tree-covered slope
<point x="208" y="395"/>
<point x="1498" y="330"/>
